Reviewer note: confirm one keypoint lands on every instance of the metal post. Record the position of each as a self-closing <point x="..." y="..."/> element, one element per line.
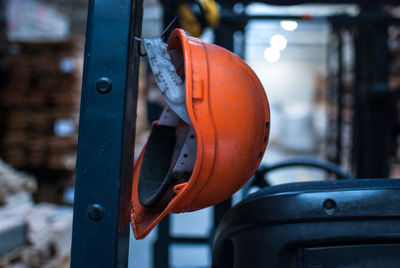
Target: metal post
<point x="372" y="115"/>
<point x="106" y="135"/>
<point x="381" y="106"/>
<point x="161" y="246"/>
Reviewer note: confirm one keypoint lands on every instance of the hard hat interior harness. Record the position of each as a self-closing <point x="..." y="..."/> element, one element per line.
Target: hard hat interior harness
<point x="166" y="75"/>
<point x="168" y="159"/>
<point x="170" y="151"/>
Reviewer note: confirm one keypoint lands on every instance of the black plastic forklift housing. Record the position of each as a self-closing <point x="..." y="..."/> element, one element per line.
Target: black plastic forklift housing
<point x="347" y="223"/>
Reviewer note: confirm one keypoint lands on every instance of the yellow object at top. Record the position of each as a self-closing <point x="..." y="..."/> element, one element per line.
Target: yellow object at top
<point x="195" y="24"/>
<point x="211" y="12"/>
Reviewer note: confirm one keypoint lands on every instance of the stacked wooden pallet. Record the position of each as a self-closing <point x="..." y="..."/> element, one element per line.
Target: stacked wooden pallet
<point x="35" y="235"/>
<point x="39" y="102"/>
<point x="349" y="86"/>
<point x="394" y="46"/>
<point x="31" y="235"/>
<point x="347" y="57"/>
<point x="13" y="181"/>
<point x="394" y="84"/>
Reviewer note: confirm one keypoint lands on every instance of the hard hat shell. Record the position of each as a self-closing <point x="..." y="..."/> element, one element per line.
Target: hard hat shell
<point x="229" y="112"/>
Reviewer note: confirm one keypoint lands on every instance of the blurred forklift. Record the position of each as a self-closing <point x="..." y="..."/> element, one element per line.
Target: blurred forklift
<point x="333" y="223"/>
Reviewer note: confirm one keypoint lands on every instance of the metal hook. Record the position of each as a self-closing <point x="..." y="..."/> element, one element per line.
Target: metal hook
<point x="162" y="34"/>
<point x="140" y="47"/>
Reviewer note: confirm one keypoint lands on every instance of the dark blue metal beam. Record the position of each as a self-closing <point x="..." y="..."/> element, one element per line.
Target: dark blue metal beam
<point x="106" y="135"/>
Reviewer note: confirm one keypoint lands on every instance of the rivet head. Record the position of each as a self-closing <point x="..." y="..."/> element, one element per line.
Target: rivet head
<point x="95" y="212"/>
<point x="103" y="85"/>
<point x="329" y="206"/>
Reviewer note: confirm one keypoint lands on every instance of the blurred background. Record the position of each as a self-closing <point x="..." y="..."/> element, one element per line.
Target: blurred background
<point x="331" y="74"/>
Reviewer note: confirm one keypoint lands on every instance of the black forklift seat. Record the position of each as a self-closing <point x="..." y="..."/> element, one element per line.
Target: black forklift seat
<point x="347" y="223"/>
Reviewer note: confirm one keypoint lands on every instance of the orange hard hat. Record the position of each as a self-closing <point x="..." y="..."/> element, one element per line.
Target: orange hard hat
<point x="210" y="138"/>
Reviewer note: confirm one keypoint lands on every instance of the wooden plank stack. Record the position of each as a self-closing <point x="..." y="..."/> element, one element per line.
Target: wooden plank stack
<point x="394" y="84"/>
<point x="13" y="181"/>
<point x="35" y="235"/>
<point x="348" y="69"/>
<point x="31" y="235"/>
<point x="348" y="89"/>
<point x="39" y="103"/>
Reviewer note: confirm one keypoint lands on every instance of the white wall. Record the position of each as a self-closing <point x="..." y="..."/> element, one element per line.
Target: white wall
<point x="286" y="81"/>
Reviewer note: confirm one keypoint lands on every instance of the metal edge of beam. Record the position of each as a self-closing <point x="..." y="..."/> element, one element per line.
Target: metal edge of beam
<point x="106" y="135"/>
